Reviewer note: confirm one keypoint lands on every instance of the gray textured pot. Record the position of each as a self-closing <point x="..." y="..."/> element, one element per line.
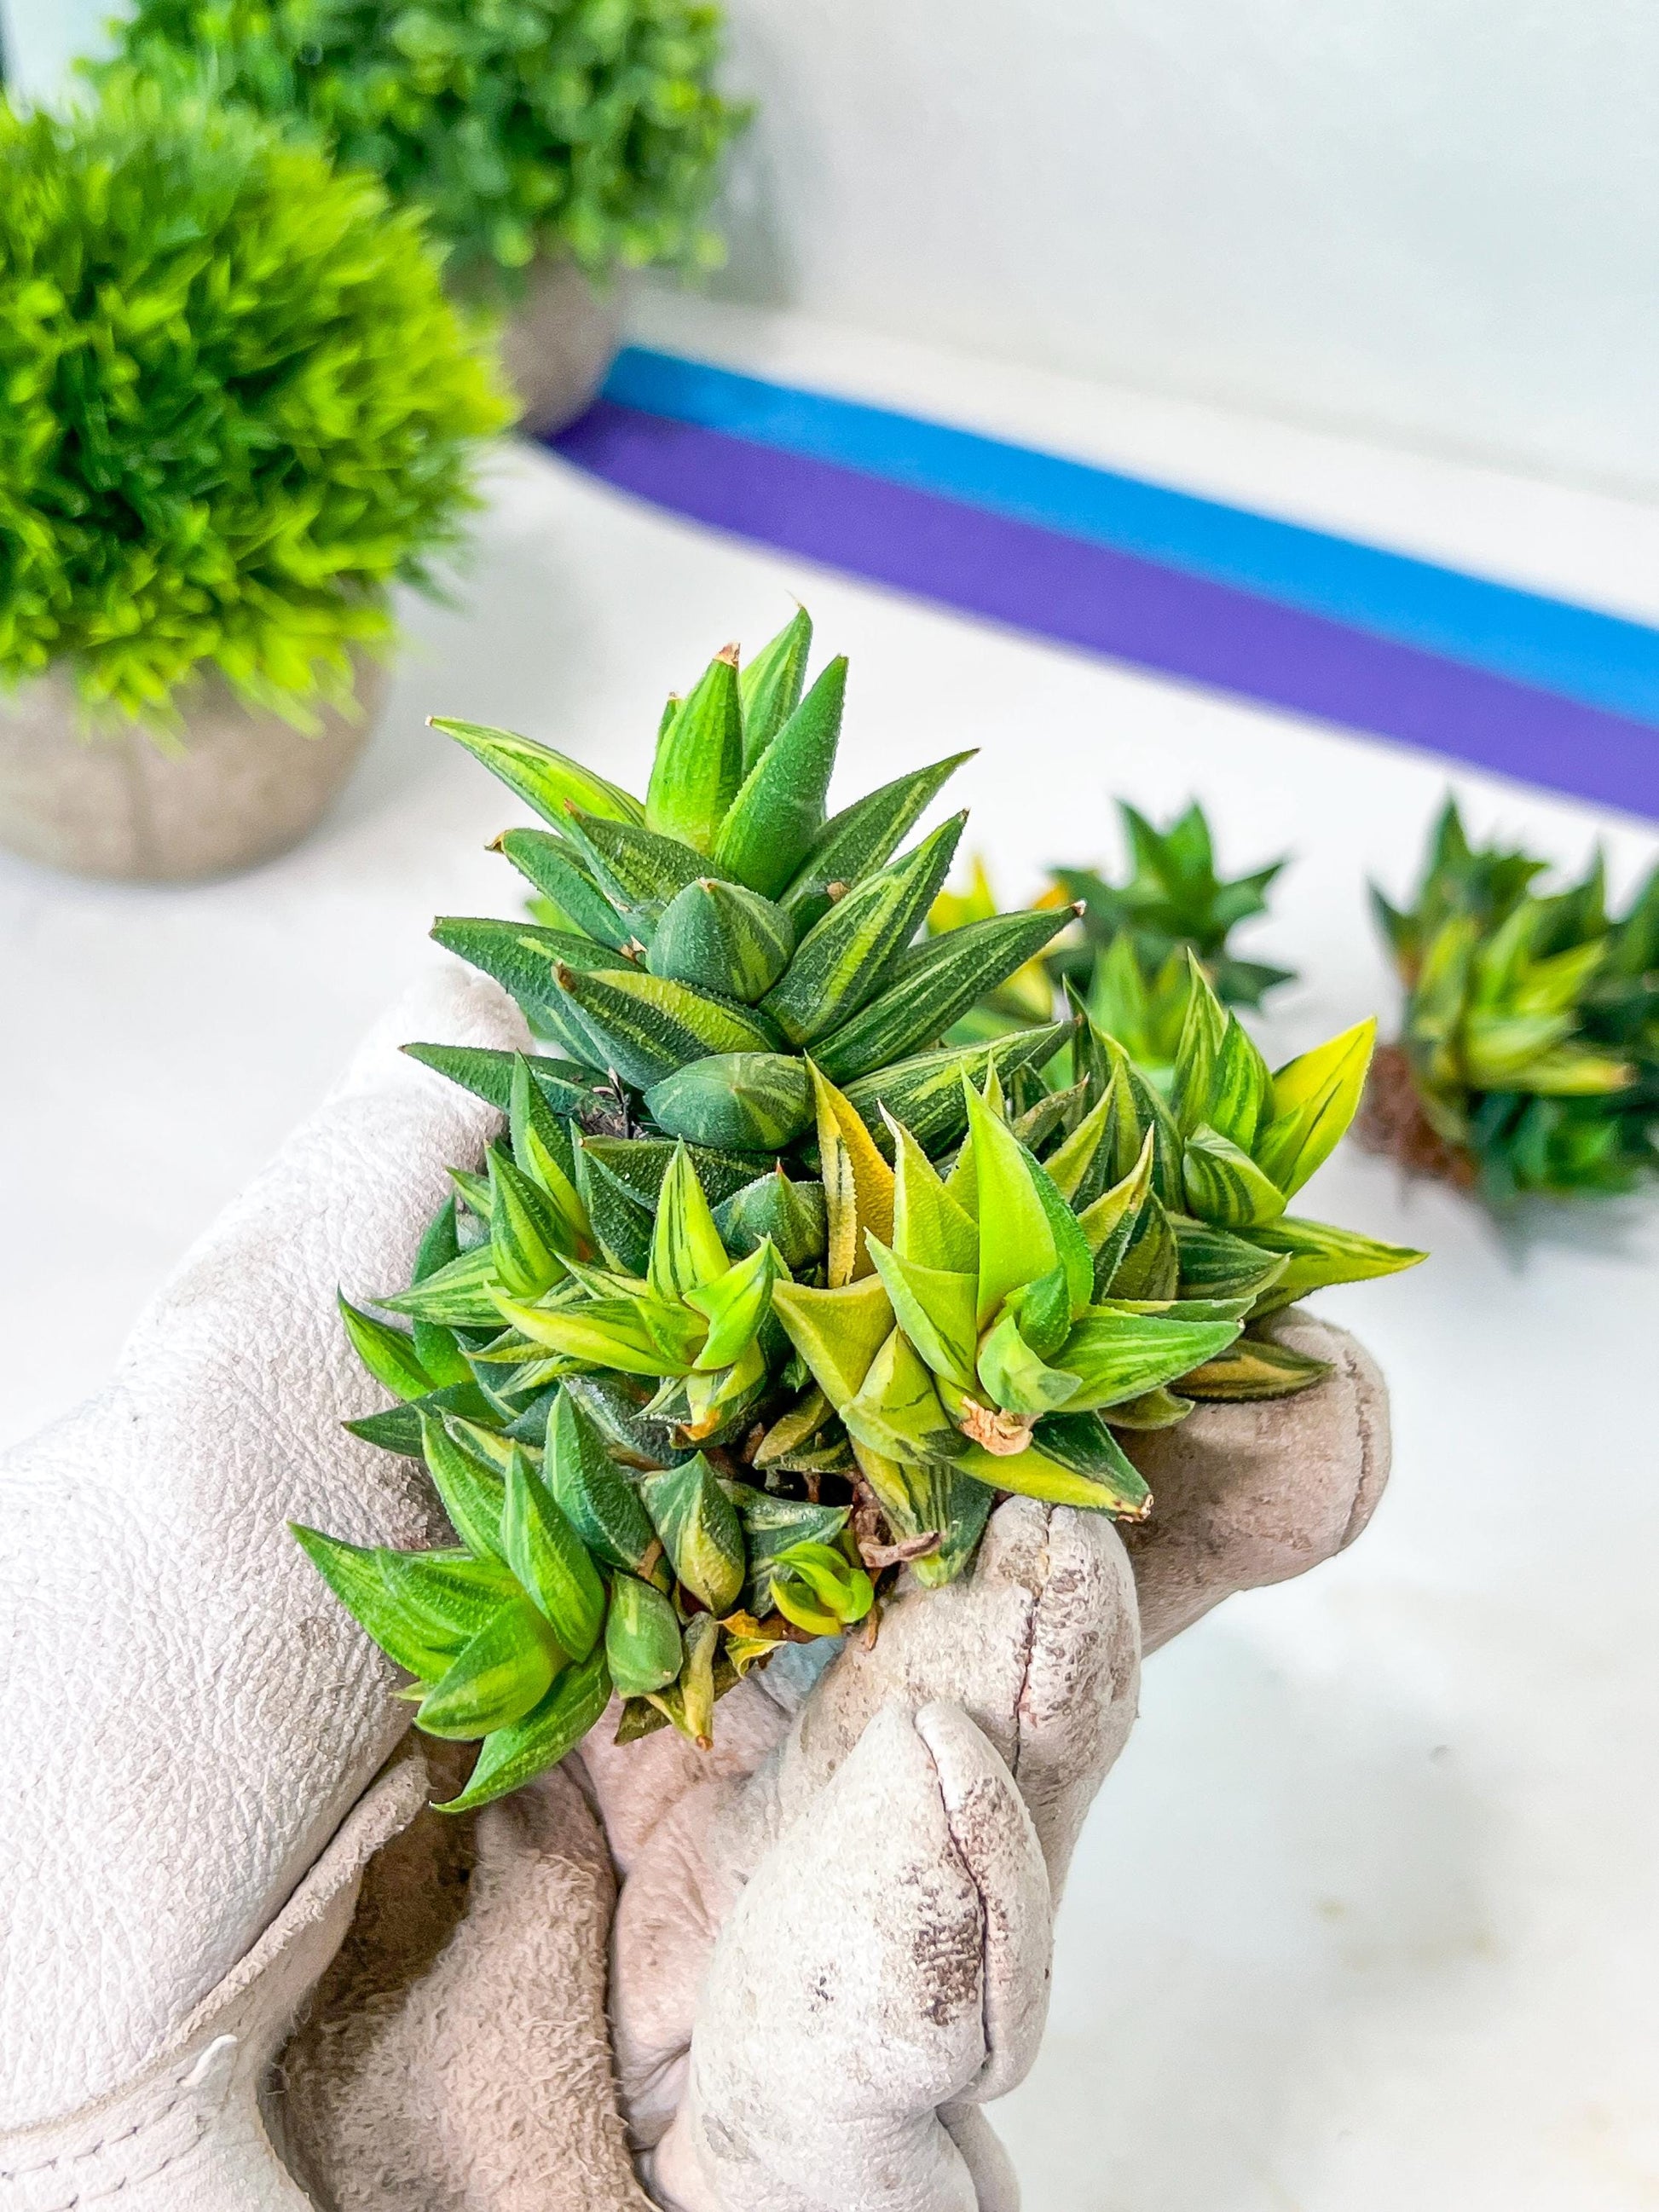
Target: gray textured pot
<point x="558" y="343"/>
<point x="245" y="787"/>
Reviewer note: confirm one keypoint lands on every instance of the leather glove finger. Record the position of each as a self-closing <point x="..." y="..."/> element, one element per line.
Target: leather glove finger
<point x="1038" y="1644"/>
<point x="1251" y="1494"/>
<point x="889" y="1961"/>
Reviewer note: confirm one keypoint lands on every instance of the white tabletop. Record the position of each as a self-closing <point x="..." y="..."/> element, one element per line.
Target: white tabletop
<point x="1367" y="1913"/>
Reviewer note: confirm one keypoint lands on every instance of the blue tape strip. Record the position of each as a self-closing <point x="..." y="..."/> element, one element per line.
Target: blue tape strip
<point x="1594" y="658"/>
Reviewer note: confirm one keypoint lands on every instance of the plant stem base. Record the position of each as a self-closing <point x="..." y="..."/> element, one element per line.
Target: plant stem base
<point x="244" y="787"/>
<point x="1391" y="1121"/>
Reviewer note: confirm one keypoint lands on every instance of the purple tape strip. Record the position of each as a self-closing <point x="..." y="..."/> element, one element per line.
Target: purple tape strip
<point x="1037" y="581"/>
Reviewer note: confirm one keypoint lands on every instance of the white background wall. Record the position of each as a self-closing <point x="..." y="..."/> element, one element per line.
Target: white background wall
<point x="1431" y="220"/>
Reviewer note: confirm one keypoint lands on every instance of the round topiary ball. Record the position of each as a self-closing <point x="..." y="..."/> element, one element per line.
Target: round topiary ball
<point x="590" y="130"/>
<point x="238" y="405"/>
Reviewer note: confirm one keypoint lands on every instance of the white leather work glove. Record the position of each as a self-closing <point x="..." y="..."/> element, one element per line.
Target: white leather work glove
<point x="833" y="1934"/>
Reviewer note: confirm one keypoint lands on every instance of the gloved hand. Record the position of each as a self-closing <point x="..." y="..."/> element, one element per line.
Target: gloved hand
<point x="833" y="1933"/>
<point x="830" y="1940"/>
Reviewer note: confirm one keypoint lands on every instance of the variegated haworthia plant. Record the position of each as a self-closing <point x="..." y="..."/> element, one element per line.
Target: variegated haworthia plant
<point x="1528" y="1055"/>
<point x="766" y="1293"/>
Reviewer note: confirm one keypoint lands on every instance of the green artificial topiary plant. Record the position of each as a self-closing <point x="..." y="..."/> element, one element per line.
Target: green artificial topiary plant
<point x="237" y="407"/>
<point x="587" y="129"/>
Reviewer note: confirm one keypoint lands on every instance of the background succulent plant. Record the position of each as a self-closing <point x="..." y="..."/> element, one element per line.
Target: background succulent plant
<point x="768" y="1293"/>
<point x="1528" y="1055"/>
<point x="1125" y="959"/>
<point x="238" y="406"/>
<point x="587" y="129"/>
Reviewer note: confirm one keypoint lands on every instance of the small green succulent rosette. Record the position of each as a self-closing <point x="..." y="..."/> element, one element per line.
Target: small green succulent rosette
<point x="767" y="1294"/>
<point x="1531" y="1026"/>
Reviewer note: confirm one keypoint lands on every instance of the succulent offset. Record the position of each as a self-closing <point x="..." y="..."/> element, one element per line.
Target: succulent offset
<point x="766" y="1293"/>
<point x="1126" y="958"/>
<point x="1529" y="1056"/>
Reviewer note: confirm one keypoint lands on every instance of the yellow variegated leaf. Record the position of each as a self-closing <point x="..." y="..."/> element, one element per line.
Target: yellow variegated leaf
<point x="929" y="1225"/>
<point x="858" y="1184"/>
<point x="837" y="1333"/>
<point x="936" y="1307"/>
<point x="686" y="1251"/>
<point x="1315" y="1097"/>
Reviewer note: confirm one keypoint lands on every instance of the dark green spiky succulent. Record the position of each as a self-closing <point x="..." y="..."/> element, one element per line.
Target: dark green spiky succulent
<point x="766" y="1294"/>
<point x="1529" y="1057"/>
<point x="1126" y="957"/>
<point x="1173" y="903"/>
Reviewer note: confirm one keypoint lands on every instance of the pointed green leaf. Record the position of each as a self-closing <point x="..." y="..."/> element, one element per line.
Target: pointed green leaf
<point x="1109" y="1225"/>
<point x="1240" y="1088"/>
<point x="488" y="1074"/>
<point x="1016" y="1240"/>
<point x="1150" y="1265"/>
<point x="723" y="938"/>
<point x="686" y="1250"/>
<point x="388" y="1354"/>
<point x="778" y="814"/>
<point x="1013" y="1376"/>
<point x="1255" y="1367"/>
<point x="936" y="1309"/>
<point x="1202" y="1029"/>
<point x="1223" y="1185"/>
<point x="792" y="1215"/>
<point x="837" y="1333"/>
<point x="699" y="1531"/>
<point x="932" y="987"/>
<point x="473" y="1490"/>
<point x="604" y="1333"/>
<point x="1314" y="1098"/>
<point x="645" y="1027"/>
<point x="735" y="1304"/>
<point x="858" y="1184"/>
<point x="494" y="1680"/>
<point x="558" y="872"/>
<point x="549" y="1559"/>
<point x="769" y="687"/>
<point x="896" y="1410"/>
<point x="929" y="1225"/>
<point x="699" y="759"/>
<point x="1121" y="1355"/>
<point x="450" y="1593"/>
<point x="840" y="962"/>
<point x="638" y="871"/>
<point x="925" y="1093"/>
<point x="513" y="1756"/>
<point x="545" y="779"/>
<point x="1215" y="1264"/>
<point x="1033" y="1474"/>
<point x="770" y="1526"/>
<point x="522" y="958"/>
<point x="353" y="1572"/>
<point x="1072" y="1249"/>
<point x="862" y="836"/>
<point x="642" y="1646"/>
<point x="461" y="1295"/>
<point x="525" y="1234"/>
<point x="1083" y="1443"/>
<point x="1319" y="1255"/>
<point x="600" y="1504"/>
